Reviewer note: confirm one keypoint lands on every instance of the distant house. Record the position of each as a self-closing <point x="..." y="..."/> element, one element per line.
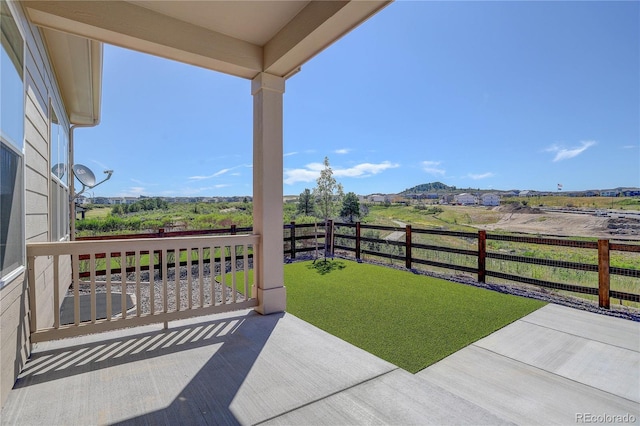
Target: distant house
<point x="527" y="193"/>
<point x="100" y="200"/>
<point x="610" y="193"/>
<point x="631" y="193"/>
<point x="490" y="199"/>
<point x="377" y="198"/>
<point x="82" y="200"/>
<point x="447" y="199"/>
<point x="466" y="199"/>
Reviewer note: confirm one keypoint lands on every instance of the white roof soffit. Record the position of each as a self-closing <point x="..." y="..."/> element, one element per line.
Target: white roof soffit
<point x="77" y="63"/>
<point x="241" y="38"/>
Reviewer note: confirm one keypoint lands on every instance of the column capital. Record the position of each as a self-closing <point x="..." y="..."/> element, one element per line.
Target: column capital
<point x="264" y="81"/>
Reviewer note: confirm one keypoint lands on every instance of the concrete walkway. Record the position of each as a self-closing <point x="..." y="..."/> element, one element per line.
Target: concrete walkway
<point x="555" y="366"/>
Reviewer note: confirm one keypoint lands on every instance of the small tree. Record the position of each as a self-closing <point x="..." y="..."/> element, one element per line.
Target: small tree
<point x="326" y="191"/>
<point x="350" y="206"/>
<point x="305" y="203"/>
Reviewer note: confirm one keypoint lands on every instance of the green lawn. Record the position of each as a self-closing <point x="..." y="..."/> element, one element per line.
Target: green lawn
<point x="409" y="320"/>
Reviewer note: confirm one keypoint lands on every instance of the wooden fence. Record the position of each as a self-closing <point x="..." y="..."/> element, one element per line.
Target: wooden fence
<point x="481" y="255"/>
<point x="407" y="245"/>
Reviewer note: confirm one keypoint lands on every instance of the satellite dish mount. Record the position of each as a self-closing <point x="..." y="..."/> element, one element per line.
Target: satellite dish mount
<point x="87" y="178"/>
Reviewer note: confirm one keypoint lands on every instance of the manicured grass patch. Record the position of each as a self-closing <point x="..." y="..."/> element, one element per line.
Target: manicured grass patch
<point x="409" y="320"/>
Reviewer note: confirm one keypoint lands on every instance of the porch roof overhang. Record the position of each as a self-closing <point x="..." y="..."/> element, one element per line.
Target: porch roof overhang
<point x="241" y="38"/>
<point x="77" y="63"/>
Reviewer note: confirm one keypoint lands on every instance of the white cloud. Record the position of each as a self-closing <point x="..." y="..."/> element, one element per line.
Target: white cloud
<point x="289" y="154"/>
<point x="480" y="176"/>
<point x="629" y="146"/>
<point x="218" y="173"/>
<point x="311" y="172"/>
<point x="134" y="191"/>
<point x="567" y="153"/>
<point x="342" y="151"/>
<point x="365" y="169"/>
<point x="431" y="167"/>
<point x="300" y="175"/>
<point x="101" y="165"/>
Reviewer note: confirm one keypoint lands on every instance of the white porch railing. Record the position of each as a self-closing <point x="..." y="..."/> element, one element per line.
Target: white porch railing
<point x="209" y="281"/>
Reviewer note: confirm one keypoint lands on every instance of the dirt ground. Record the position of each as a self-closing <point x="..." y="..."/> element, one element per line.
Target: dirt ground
<point x="534" y="221"/>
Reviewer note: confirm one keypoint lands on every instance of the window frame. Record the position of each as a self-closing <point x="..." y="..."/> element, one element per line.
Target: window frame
<point x="9" y="45"/>
<point x="59" y="188"/>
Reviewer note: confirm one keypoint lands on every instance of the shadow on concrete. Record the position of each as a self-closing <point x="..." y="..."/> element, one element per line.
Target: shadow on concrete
<point x="207" y="397"/>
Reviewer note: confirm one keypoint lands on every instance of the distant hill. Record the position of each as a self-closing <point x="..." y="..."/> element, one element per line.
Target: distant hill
<point x="428" y="187"/>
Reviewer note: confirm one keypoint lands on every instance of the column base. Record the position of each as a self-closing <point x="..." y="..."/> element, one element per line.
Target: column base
<point x="271" y="300"/>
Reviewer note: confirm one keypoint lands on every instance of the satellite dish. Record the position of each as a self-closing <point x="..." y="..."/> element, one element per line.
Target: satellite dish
<point x="87" y="178"/>
<point x="84" y="175"/>
<point x="59" y="170"/>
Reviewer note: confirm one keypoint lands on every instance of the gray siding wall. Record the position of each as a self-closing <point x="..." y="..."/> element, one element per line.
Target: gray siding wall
<point x="41" y="91"/>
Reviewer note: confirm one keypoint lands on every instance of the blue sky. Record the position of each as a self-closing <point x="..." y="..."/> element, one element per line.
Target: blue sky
<point x="490" y="95"/>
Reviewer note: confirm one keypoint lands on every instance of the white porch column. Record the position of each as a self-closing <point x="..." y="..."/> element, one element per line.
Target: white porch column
<point x="267" y="91"/>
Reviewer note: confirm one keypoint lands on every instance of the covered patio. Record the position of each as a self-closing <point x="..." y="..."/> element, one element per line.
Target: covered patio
<point x="557" y="365"/>
<point x="241" y="367"/>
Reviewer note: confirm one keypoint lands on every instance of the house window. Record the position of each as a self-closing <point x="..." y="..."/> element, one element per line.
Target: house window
<point x="12" y="246"/>
<point x="59" y="201"/>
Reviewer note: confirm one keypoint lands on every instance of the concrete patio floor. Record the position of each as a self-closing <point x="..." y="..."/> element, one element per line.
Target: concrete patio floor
<point x="557" y="365"/>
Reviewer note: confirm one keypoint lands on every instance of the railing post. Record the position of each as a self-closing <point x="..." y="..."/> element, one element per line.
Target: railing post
<point x="233" y="229"/>
<point x="407" y="246"/>
<point x="292" y="236"/>
<point x="357" y="240"/>
<point x="482" y="256"/>
<point x="604" y="283"/>
<point x="33" y="313"/>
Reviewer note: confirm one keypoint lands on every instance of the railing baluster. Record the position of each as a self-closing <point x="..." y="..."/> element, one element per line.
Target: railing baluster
<point x="138" y="283"/>
<point x="233" y="272"/>
<point x="152" y="282"/>
<point x="164" y="281"/>
<point x="109" y="312"/>
<point x="245" y="264"/>
<point x="189" y="290"/>
<point x="223" y="273"/>
<point x="212" y="273"/>
<point x="200" y="273"/>
<point x="123" y="285"/>
<point x="176" y="269"/>
<point x="92" y="278"/>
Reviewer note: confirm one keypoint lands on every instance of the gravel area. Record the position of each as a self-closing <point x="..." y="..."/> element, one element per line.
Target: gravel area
<point x="211" y="288"/>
